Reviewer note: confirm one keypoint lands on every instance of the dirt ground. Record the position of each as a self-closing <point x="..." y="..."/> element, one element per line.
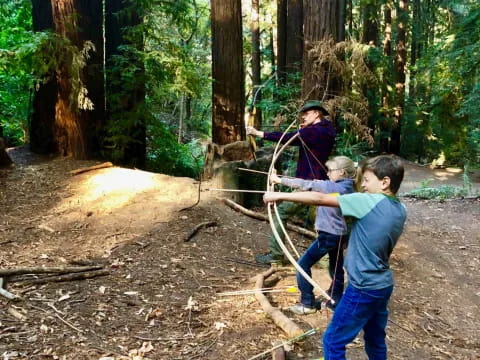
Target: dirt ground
<point x="162" y="296"/>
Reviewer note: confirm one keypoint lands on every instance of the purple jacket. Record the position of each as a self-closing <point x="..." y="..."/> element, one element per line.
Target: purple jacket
<point x="319" y="139"/>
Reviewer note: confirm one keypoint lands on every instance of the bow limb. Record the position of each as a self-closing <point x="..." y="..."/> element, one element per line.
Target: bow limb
<point x="270" y="187"/>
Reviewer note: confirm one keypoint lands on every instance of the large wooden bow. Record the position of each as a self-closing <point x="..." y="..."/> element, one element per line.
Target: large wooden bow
<point x="270" y="187"/>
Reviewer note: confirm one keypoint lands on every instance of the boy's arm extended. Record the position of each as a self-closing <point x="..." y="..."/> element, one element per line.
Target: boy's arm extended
<point x="304" y="197"/>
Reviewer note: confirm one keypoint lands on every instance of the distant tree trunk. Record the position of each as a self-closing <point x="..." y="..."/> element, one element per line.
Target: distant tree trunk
<point x="400" y="61"/>
<point x="385" y="126"/>
<point x="281" y="40"/>
<point x="256" y="62"/>
<point x="42" y="122"/>
<point x="322" y="20"/>
<point x="228" y="95"/>
<point x="294" y="38"/>
<point x="125" y="80"/>
<point x="271" y="47"/>
<point x="370" y="36"/>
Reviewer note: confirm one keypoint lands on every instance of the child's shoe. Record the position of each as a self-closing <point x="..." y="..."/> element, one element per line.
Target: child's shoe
<point x="301" y="309"/>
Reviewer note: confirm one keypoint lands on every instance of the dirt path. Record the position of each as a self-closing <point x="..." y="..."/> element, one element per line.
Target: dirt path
<point x="162" y="297"/>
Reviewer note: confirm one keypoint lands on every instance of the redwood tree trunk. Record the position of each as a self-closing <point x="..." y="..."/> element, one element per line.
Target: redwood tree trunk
<point x="42" y="122"/>
<point x="68" y="129"/>
<point x="77" y="129"/>
<point x="323" y="19"/>
<point x="228" y="95"/>
<point x="294" y="38"/>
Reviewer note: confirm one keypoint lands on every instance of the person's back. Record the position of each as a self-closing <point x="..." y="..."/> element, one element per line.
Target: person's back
<point x="373" y="237"/>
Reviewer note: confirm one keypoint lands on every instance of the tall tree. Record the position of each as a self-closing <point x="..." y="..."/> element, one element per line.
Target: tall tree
<point x="370" y="37"/>
<point x="256" y="63"/>
<point x="323" y="19"/>
<point x="42" y="122"/>
<point x="400" y="77"/>
<point x="80" y="23"/>
<point x="125" y="81"/>
<point x="385" y="124"/>
<point x="228" y="99"/>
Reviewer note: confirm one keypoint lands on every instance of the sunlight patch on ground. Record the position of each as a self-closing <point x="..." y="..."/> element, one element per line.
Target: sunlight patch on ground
<point x="116" y="187"/>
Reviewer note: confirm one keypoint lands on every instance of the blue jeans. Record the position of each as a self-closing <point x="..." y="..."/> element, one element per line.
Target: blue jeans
<point x="325" y="243"/>
<point x="358" y="309"/>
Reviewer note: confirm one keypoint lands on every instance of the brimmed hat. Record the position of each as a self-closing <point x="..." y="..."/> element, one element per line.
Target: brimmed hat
<point x="313" y="105"/>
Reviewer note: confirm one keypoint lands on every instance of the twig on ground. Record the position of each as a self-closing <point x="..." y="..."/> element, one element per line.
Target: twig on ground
<point x="259" y="216"/>
<point x="46" y="270"/>
<point x="66" y="277"/>
<point x="90" y="168"/>
<point x="194" y="231"/>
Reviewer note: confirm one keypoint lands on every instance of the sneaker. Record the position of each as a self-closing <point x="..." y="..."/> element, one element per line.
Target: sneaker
<point x="269" y="258"/>
<point x="301" y="309"/>
<point x="319" y="304"/>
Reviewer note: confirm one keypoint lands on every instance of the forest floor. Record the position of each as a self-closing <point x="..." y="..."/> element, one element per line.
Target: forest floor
<point x="161" y="298"/>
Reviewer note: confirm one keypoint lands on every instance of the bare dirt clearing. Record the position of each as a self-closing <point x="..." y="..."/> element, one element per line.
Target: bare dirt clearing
<point x="161" y="298"/>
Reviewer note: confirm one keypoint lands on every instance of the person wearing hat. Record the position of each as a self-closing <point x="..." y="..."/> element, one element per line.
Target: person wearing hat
<point x="315" y="141"/>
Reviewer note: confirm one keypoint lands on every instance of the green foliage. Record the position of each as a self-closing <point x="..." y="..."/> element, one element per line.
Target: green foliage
<point x="448" y="100"/>
<point x="165" y="155"/>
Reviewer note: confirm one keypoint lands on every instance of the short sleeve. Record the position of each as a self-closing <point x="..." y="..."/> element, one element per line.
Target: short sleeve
<point x="358" y="204"/>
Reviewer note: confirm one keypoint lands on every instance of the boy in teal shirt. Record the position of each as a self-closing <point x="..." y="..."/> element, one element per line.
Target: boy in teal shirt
<point x="380" y="221"/>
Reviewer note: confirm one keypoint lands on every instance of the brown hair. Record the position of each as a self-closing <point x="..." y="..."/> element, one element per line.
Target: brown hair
<point x="386" y="166"/>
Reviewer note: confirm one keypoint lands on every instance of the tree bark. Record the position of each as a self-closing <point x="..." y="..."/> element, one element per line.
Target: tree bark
<point x="256" y="63"/>
<point x="5" y="160"/>
<point x="322" y="20"/>
<point x="281" y="40"/>
<point x="294" y="38"/>
<point x="228" y="93"/>
<point x="42" y="121"/>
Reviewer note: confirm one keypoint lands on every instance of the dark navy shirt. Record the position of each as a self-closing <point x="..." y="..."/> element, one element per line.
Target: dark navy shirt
<point x="319" y="139"/>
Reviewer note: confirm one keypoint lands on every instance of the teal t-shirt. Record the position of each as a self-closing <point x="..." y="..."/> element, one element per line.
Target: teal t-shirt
<point x="380" y="221"/>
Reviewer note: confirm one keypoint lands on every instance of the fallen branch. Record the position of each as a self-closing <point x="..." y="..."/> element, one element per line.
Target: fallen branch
<point x="6" y="293"/>
<point x="90" y="168"/>
<point x="66" y="277"/>
<point x="260" y="216"/>
<point x="46" y="270"/>
<point x="278" y="317"/>
<point x="194" y="231"/>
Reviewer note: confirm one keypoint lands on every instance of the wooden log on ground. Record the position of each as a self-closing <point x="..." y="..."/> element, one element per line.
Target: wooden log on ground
<point x="260" y="216"/>
<point x="47" y="270"/>
<point x="194" y="231"/>
<point x="66" y="277"/>
<point x="90" y="168"/>
<point x="279" y="318"/>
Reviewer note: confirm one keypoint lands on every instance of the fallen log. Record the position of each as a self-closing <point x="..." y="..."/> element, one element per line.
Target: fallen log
<point x="90" y="168"/>
<point x="66" y="277"/>
<point x="260" y="216"/>
<point x="279" y="318"/>
<point x="194" y="231"/>
<point x="47" y="270"/>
